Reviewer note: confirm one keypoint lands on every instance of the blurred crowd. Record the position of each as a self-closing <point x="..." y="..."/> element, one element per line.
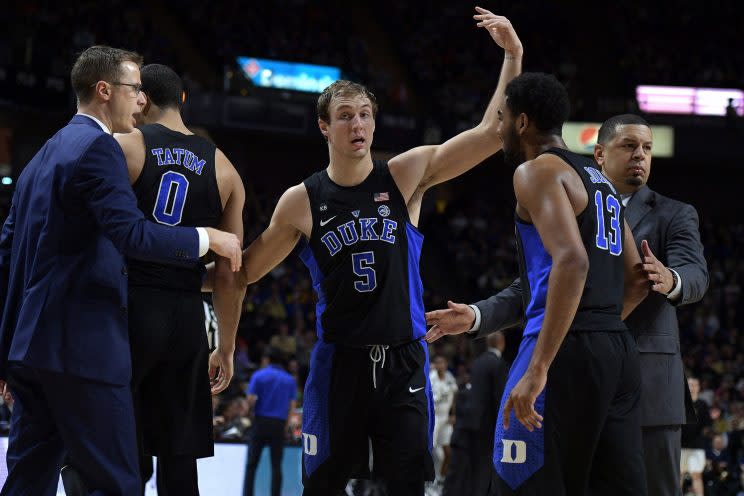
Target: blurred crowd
<point x="439" y="56"/>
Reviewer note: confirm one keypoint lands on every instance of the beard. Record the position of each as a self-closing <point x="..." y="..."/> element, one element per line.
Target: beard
<point x="513" y="156"/>
<point x="634" y="181"/>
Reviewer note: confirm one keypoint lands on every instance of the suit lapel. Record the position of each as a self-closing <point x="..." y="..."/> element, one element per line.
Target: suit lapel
<point x="639" y="205"/>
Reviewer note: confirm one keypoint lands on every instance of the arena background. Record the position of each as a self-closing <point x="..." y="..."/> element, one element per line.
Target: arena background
<point x="433" y="73"/>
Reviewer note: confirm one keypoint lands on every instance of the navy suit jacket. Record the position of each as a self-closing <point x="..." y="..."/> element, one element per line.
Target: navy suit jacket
<point x="63" y="279"/>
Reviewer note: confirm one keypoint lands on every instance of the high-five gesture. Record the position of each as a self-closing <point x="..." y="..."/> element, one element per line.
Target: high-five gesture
<point x="500" y="30"/>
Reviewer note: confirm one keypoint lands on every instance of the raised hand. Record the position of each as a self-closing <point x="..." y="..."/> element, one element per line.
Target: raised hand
<point x="500" y="29"/>
<point x="455" y="319"/>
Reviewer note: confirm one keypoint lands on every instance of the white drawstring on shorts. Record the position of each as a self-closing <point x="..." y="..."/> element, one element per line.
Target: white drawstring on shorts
<point x="377" y="354"/>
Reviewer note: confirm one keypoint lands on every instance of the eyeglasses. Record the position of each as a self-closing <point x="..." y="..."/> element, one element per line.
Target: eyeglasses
<point x="136" y="87"/>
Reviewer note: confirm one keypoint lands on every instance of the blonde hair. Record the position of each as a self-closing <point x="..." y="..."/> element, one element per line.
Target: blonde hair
<point x="342" y="88"/>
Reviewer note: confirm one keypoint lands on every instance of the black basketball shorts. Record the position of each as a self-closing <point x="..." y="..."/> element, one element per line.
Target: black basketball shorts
<point x="367" y="411"/>
<point x="590" y="442"/>
<point x="170" y="372"/>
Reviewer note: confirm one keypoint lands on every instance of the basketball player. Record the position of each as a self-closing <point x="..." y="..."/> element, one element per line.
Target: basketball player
<point x="179" y="179"/>
<point x="356" y="218"/>
<point x="569" y="422"/>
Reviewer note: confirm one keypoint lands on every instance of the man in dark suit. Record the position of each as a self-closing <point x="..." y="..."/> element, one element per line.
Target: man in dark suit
<point x="64" y="347"/>
<point x="678" y="276"/>
<point x="471" y="471"/>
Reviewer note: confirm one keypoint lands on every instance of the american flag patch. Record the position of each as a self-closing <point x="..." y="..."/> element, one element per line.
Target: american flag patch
<point x="382" y="197"/>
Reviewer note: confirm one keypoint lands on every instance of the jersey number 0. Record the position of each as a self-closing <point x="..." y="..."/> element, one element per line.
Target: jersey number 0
<point x="171" y="198"/>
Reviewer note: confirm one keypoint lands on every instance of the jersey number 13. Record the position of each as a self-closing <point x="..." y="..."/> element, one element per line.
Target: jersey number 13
<point x="608" y="237"/>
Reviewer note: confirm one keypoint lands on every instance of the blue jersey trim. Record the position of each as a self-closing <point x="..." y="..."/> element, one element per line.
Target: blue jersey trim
<point x="315" y="409"/>
<point x="308" y="258"/>
<point x="415" y="286"/>
<point x="429" y="399"/>
<point x="538" y="264"/>
<point x="526" y="449"/>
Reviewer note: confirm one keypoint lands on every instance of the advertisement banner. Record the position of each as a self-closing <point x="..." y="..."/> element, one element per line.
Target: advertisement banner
<point x="580" y="137"/>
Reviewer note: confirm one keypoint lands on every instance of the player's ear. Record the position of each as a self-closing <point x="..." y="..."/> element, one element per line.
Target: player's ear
<point x="323" y="125"/>
<point x="522" y="123"/>
<point x="599" y="154"/>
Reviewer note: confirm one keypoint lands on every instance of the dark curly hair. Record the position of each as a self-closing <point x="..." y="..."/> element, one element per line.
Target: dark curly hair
<point x="542" y="98"/>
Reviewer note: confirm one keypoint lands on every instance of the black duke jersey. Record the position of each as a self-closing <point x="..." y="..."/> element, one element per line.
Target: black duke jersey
<point x="591" y="424"/>
<point x="601" y="226"/>
<point x="177" y="187"/>
<point x="363" y="255"/>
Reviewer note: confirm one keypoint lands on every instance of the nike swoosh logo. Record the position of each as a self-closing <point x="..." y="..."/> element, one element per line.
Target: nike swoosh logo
<point x="324" y="222"/>
<point x="411" y="390"/>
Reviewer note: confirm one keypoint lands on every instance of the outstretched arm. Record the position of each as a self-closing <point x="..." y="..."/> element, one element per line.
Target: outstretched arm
<point x="100" y="179"/>
<point x="501" y="311"/>
<point x="290" y="220"/>
<point x="426" y="166"/>
<point x="228" y="292"/>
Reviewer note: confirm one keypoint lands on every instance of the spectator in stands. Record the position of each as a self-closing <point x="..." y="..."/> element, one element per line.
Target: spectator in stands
<point x="283" y="342"/>
<point x="443" y="388"/>
<point x="235" y="423"/>
<point x="693" y="440"/>
<point x="6" y="410"/>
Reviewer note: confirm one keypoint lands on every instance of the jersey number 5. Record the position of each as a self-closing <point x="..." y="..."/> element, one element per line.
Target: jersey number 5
<point x="171" y="198"/>
<point x="361" y="263"/>
<point x="611" y="241"/>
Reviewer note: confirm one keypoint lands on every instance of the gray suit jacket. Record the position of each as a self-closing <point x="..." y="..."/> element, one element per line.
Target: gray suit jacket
<point x="671" y="229"/>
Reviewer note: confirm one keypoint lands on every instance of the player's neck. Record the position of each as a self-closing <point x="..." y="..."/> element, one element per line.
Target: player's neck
<point x="542" y="144"/>
<point x="346" y="171"/>
<point x="171" y="119"/>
